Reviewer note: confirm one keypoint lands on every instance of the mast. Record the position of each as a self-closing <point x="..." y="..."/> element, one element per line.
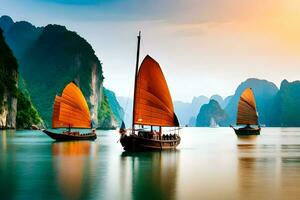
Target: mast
<point x="135" y="77"/>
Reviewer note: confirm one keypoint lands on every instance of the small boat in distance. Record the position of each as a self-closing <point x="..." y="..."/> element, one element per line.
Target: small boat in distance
<point x="71" y="111"/>
<point x="247" y="115"/>
<point x="152" y="109"/>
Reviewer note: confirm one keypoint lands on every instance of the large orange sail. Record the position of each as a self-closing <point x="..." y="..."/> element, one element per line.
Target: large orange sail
<point x="71" y="109"/>
<point x="153" y="102"/>
<point x="247" y="113"/>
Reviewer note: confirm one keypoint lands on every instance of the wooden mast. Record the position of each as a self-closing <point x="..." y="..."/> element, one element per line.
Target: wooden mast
<point x="135" y="77"/>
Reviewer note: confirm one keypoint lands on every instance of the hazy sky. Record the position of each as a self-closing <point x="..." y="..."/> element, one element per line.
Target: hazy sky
<point x="203" y="46"/>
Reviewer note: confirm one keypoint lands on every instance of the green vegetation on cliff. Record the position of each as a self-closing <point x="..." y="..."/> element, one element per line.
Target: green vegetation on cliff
<point x="114" y="105"/>
<point x="25" y="114"/>
<point x="105" y="115"/>
<point x="20" y="36"/>
<point x="8" y="71"/>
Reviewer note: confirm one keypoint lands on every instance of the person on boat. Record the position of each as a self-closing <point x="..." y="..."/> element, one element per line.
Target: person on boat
<point x="154" y="133"/>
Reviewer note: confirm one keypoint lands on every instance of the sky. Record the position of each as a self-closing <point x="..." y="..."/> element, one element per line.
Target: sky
<point x="204" y="47"/>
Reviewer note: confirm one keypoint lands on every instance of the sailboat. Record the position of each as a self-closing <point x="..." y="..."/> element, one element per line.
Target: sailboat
<point x="152" y="108"/>
<point x="71" y="111"/>
<point x="247" y="115"/>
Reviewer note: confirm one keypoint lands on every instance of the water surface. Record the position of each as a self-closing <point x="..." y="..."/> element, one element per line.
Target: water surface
<point x="210" y="163"/>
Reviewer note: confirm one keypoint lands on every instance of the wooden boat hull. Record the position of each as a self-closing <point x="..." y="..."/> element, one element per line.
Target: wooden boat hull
<point x="65" y="137"/>
<point x="246" y="131"/>
<point x="136" y="143"/>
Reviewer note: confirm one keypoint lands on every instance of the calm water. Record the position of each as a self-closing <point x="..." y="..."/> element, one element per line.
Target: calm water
<point x="209" y="164"/>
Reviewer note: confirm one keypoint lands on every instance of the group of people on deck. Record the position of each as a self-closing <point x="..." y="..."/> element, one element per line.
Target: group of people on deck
<point x="156" y="135"/>
<point x="73" y="133"/>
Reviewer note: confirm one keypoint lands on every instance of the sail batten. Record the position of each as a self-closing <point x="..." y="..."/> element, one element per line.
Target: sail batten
<point x="153" y="102"/>
<point x="149" y="98"/>
<point x="247" y="113"/>
<point x="71" y="109"/>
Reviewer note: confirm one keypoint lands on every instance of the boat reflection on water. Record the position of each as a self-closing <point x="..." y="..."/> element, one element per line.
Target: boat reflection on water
<point x="247" y="138"/>
<point x="151" y="175"/>
<point x="72" y="161"/>
<point x="258" y="171"/>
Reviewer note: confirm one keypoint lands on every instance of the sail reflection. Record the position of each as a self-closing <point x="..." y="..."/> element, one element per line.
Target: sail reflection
<point x="72" y="161"/>
<point x="151" y="175"/>
<point x="257" y="172"/>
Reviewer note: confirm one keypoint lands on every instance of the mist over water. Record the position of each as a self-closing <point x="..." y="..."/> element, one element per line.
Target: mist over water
<point x="210" y="163"/>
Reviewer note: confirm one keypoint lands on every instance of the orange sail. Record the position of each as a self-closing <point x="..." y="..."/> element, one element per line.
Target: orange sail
<point x="247" y="109"/>
<point x="71" y="109"/>
<point x="153" y="102"/>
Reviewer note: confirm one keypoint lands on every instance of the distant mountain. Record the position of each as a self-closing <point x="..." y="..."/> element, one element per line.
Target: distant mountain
<point x="185" y="111"/>
<point x="264" y="92"/>
<point x="226" y="101"/>
<point x="218" y="98"/>
<point x="223" y="102"/>
<point x="52" y="56"/>
<point x="192" y="122"/>
<point x="210" y="111"/>
<point x="182" y="110"/>
<point x="286" y="105"/>
<point x="6" y="22"/>
<point x="275" y="107"/>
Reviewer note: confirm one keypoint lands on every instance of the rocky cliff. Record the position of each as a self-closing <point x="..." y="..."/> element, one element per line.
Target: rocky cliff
<point x="8" y="85"/>
<point x="15" y="107"/>
<point x="286" y="105"/>
<point x="116" y="109"/>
